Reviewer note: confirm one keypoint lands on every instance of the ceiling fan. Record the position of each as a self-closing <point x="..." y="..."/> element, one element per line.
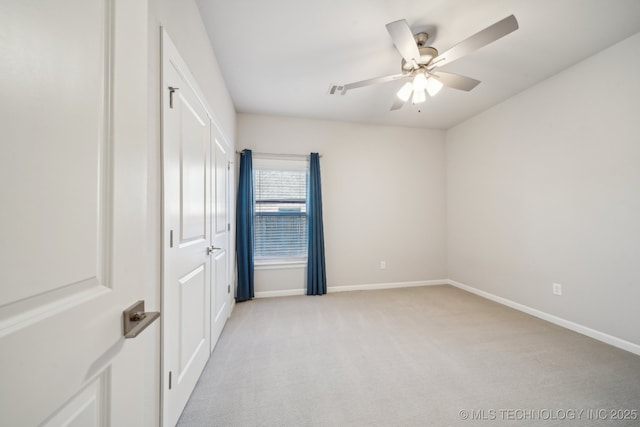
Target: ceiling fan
<point x="421" y="62"/>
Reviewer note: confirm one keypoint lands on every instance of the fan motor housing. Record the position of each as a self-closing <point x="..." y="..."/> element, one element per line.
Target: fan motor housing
<point x="427" y="53"/>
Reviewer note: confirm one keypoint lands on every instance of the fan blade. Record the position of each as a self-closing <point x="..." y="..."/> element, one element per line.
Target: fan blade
<point x="397" y="104"/>
<point x="403" y="40"/>
<point x="456" y="81"/>
<point x="374" y="81"/>
<point x="478" y="40"/>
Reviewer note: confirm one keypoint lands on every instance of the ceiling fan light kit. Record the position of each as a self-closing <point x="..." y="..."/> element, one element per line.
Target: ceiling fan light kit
<point x="405" y="91"/>
<point x="421" y="62"/>
<point x="420" y="82"/>
<point x="419" y="96"/>
<point x="433" y="86"/>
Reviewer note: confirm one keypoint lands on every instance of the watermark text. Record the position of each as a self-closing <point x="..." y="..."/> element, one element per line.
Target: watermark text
<point x="524" y="414"/>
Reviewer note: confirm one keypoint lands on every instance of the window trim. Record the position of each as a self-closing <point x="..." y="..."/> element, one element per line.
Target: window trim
<point x="280" y="263"/>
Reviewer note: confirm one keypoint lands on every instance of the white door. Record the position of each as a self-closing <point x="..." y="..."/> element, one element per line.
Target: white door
<point x="72" y="221"/>
<point x="187" y="236"/>
<point x="221" y="286"/>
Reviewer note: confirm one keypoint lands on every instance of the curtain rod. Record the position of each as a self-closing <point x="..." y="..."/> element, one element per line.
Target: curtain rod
<point x="306" y="156"/>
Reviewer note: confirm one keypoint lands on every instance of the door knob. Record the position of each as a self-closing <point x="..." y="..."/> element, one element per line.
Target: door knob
<point x="211" y="248"/>
<point x="135" y="319"/>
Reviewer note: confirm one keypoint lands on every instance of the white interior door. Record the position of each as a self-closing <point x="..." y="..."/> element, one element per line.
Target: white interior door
<point x="221" y="286"/>
<point x="72" y="191"/>
<point x="187" y="236"/>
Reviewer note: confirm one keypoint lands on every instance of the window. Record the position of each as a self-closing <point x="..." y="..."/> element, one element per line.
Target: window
<point x="280" y="216"/>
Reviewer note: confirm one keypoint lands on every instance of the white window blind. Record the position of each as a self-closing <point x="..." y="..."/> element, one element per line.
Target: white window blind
<point x="280" y="217"/>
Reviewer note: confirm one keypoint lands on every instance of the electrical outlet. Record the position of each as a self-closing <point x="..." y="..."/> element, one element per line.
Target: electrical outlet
<point x="557" y="289"/>
<point x="383" y="265"/>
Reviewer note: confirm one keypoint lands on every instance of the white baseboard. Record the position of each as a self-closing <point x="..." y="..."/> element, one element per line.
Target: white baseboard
<point x="592" y="333"/>
<point x="346" y="288"/>
<point x="393" y="285"/>
<point x="283" y="293"/>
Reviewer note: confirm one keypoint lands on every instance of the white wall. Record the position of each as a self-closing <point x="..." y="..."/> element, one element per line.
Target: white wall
<point x="545" y="188"/>
<point x="181" y="19"/>
<point x="383" y="198"/>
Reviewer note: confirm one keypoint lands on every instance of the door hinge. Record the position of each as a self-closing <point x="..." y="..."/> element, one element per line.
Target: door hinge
<point x="228" y="289"/>
<point x="229" y="226"/>
<point x="171" y="91"/>
<point x="170" y="238"/>
<point x="169" y="380"/>
<point x="229" y="165"/>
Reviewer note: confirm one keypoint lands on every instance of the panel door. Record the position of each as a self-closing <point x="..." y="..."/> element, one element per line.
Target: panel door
<point x="187" y="235"/>
<point x="72" y="191"/>
<point x="221" y="286"/>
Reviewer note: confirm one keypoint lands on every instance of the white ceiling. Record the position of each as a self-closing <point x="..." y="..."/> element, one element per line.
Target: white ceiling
<point x="279" y="57"/>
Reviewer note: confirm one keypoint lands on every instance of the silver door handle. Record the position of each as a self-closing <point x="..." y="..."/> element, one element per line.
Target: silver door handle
<point x="136" y="319"/>
<point x="211" y="249"/>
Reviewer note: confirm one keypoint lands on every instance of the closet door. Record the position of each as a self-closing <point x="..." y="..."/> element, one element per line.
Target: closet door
<point x="188" y="249"/>
<point x="220" y="283"/>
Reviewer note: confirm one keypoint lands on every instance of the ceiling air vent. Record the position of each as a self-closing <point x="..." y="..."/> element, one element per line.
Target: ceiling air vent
<point x="336" y="90"/>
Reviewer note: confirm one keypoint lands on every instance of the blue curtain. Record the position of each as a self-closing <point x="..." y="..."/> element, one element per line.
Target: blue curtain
<point x="316" y="272"/>
<point x="244" y="228"/>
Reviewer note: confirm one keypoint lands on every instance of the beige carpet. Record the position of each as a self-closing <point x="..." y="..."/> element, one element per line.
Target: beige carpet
<point x="426" y="356"/>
